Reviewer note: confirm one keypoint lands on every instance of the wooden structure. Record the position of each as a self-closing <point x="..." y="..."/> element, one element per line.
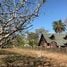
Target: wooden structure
<point x="42" y="41"/>
<point x="53" y="40"/>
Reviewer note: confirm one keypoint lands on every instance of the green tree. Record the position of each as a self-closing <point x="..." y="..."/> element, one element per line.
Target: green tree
<point x="19" y="41"/>
<point x="58" y="26"/>
<point x="33" y="39"/>
<point x="41" y="31"/>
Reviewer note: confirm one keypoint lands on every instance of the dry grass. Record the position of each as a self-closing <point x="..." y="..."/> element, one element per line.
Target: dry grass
<point x="57" y="58"/>
<point x="37" y="53"/>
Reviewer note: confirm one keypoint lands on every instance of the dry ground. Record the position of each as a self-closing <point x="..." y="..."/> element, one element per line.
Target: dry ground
<point x="57" y="58"/>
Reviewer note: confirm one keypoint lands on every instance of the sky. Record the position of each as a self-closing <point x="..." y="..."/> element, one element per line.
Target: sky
<point x="52" y="10"/>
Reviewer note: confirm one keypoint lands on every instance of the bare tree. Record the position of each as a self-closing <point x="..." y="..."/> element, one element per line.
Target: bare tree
<point x="16" y="16"/>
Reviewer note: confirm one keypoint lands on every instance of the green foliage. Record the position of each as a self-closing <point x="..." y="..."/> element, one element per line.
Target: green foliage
<point x="33" y="39"/>
<point x="20" y="40"/>
<point x="32" y="42"/>
<point x="41" y="31"/>
<point x="59" y="26"/>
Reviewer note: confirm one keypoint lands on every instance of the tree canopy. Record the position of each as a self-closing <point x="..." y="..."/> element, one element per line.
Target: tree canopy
<point x="15" y="17"/>
<point x="59" y="26"/>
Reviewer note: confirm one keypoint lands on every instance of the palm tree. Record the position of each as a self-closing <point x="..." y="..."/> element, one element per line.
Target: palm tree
<point x="58" y="26"/>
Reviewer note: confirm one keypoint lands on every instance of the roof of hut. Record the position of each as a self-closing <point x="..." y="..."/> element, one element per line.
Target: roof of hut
<point x="42" y="39"/>
<point x="60" y="39"/>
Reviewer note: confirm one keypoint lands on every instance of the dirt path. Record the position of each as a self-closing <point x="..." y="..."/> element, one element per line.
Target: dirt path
<point x="58" y="57"/>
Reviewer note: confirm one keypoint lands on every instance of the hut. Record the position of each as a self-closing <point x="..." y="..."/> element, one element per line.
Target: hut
<point x="53" y="40"/>
<point x="42" y="41"/>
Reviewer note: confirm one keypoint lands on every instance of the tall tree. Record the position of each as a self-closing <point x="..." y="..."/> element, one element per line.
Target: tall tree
<point x="33" y="39"/>
<point x="20" y="40"/>
<point x="58" y="26"/>
<point x="15" y="16"/>
<point x="40" y="31"/>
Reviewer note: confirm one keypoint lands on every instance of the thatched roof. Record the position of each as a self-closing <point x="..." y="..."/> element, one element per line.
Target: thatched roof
<point x="60" y="39"/>
<point x="42" y="39"/>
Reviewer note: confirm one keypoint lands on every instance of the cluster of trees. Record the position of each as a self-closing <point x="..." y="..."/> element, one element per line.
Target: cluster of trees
<point x="31" y="39"/>
<point x="34" y="37"/>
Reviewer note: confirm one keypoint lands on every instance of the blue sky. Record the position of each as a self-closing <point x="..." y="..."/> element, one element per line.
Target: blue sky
<point x="51" y="11"/>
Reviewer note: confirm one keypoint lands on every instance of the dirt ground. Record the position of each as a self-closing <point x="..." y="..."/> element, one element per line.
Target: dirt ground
<point x="56" y="58"/>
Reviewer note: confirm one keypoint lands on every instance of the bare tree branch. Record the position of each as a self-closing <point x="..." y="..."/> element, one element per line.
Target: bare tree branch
<point x="13" y="17"/>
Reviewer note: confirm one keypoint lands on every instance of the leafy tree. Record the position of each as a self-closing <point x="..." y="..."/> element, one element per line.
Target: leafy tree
<point x="41" y="31"/>
<point x="33" y="39"/>
<point x="58" y="26"/>
<point x="20" y="40"/>
<point x="15" y="17"/>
